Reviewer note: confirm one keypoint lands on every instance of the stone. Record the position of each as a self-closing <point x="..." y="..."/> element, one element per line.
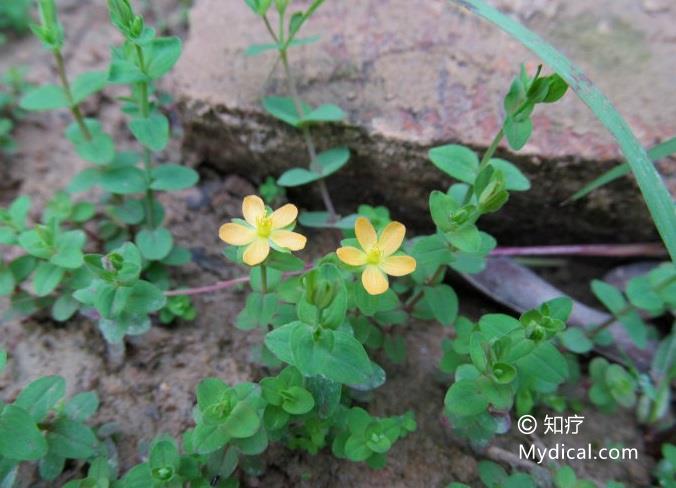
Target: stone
<point x="412" y="74"/>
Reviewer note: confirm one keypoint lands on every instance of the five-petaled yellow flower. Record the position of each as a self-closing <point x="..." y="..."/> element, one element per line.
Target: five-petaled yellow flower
<point x="377" y="255"/>
<point x="261" y="229"/>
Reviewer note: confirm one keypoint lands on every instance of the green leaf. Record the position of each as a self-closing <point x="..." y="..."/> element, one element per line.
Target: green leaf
<point x="652" y="186"/>
<point x="242" y="422"/>
<point x="258" y="311"/>
<point x="332" y="160"/>
<point x="457" y="161"/>
<point x="172" y="177"/>
<point x="209" y="438"/>
<point x="466" y="238"/>
<point x="546" y="363"/>
<point x="297" y="177"/>
<point x="152" y="132"/>
<point x="82" y="406"/>
<point x="64" y="307"/>
<point x="565" y="477"/>
<point x="88" y="83"/>
<point x="46" y="278"/>
<point x="278" y="341"/>
<point x="297" y="400"/>
<point x="71" y="439"/>
<point x="324" y="113"/>
<point x="51" y="465"/>
<point x="256" y="49"/>
<point x="69" y="249"/>
<point x="154" y="244"/>
<point x="123" y="180"/>
<point x="514" y="178"/>
<point x="45" y="97"/>
<point x="144" y="298"/>
<point x="7" y="281"/>
<point x="20" y="438"/>
<point x="161" y="55"/>
<point x="284" y="109"/>
<point x="492" y="475"/>
<point x="576" y="340"/>
<point x="41" y="395"/>
<point x="465" y="398"/>
<point x="328" y="161"/>
<point x="443" y="302"/>
<point x="335" y="355"/>
<point x="518" y="131"/>
<point x="98" y="149"/>
<point x="3" y="360"/>
<point x="610" y="296"/>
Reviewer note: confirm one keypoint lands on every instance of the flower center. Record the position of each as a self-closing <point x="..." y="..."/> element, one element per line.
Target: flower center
<point x="374" y="255"/>
<point x="264" y="226"/>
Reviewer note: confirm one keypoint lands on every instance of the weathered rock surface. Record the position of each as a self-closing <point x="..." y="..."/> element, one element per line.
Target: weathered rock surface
<point x="417" y="73"/>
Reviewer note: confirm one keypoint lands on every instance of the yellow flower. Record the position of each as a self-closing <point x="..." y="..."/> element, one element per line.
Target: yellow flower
<point x="376" y="255"/>
<point x="261" y="229"/>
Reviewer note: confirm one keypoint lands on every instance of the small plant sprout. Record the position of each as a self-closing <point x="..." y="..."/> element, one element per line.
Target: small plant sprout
<point x="377" y="255"/>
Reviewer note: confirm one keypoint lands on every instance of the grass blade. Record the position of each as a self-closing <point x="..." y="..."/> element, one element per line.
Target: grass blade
<point x="656" y="153"/>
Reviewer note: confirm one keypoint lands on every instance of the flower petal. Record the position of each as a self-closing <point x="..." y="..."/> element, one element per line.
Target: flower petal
<point x="366" y="234"/>
<point x="253" y="208"/>
<point x="256" y="252"/>
<point x="288" y="240"/>
<point x="398" y="265"/>
<point x="374" y="281"/>
<point x="391" y="238"/>
<point x="284" y="216"/>
<point x="236" y="234"/>
<point x="351" y="255"/>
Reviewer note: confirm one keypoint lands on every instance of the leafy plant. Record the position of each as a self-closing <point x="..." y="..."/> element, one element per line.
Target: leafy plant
<point x="41" y="426"/>
<point x="298" y="114"/>
<point x="125" y="281"/>
<point x="15" y="16"/>
<point x="12" y="87"/>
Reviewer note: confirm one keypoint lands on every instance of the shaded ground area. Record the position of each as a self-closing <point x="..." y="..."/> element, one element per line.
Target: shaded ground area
<point x="153" y="391"/>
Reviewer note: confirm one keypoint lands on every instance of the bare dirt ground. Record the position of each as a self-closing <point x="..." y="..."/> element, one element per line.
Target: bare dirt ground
<point x="153" y="391"/>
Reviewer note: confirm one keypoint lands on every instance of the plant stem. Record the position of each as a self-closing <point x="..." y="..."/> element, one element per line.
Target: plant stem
<point x="415" y="298"/>
<point x="147" y="156"/>
<point x="307" y="135"/>
<point x="618" y="250"/>
<point x="628" y="308"/>
<point x="222" y="285"/>
<point x="486" y="159"/>
<point x="264" y="278"/>
<point x="74" y="108"/>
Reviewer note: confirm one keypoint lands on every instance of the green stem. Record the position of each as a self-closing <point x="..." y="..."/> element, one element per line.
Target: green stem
<point x="309" y="142"/>
<point x="628" y="308"/>
<point x="415" y="298"/>
<point x="264" y="278"/>
<point x="147" y="156"/>
<point x="486" y="159"/>
<point x="74" y="107"/>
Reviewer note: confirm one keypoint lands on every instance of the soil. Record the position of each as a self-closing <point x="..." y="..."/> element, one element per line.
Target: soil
<point x="152" y="392"/>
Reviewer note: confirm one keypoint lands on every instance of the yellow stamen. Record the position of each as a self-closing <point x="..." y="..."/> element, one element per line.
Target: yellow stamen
<point x="264" y="226"/>
<point x="374" y="255"/>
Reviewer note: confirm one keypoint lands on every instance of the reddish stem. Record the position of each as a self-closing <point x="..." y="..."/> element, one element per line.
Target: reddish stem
<point x="222" y="285"/>
<point x="615" y="250"/>
<point x="219" y="285"/>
